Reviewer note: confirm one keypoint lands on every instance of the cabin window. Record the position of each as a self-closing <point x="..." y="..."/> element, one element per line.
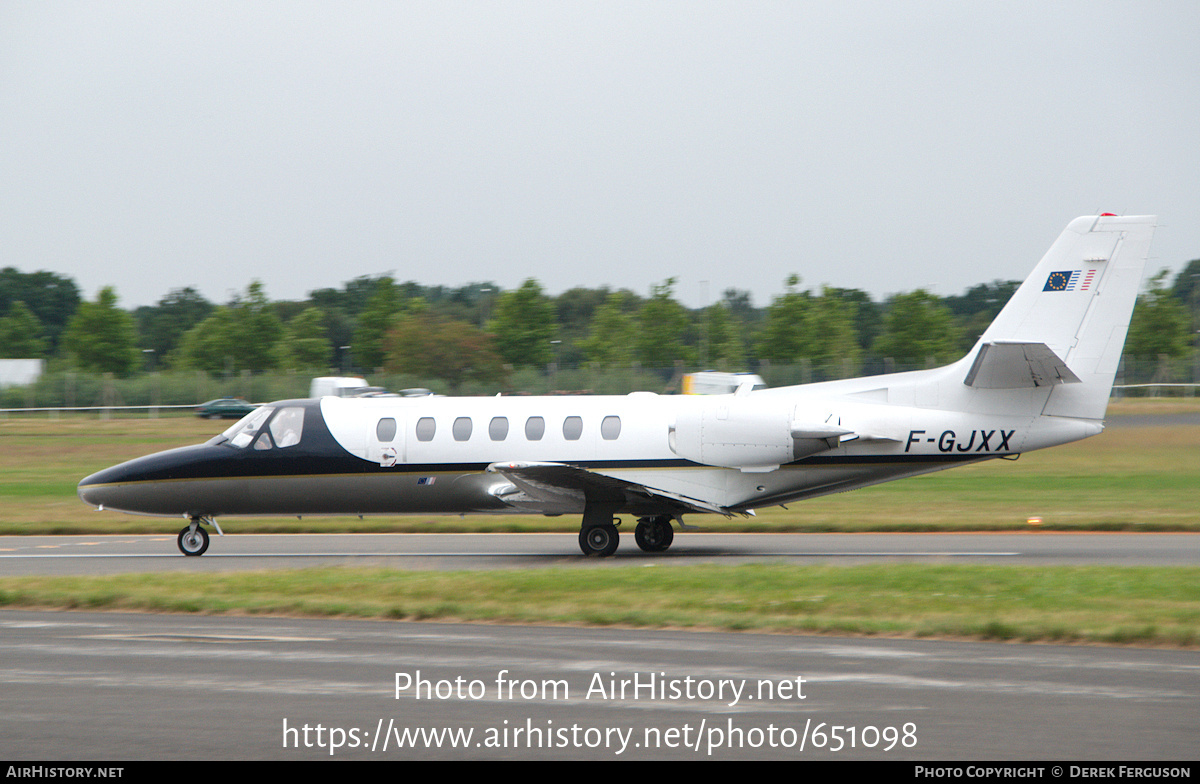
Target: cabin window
<point x="535" y="428"/>
<point x="461" y="429"/>
<point x="426" y="428"/>
<point x="610" y="428"/>
<point x="572" y="428"/>
<point x="498" y="428"/>
<point x="386" y="429"/>
<point x="287" y="426"/>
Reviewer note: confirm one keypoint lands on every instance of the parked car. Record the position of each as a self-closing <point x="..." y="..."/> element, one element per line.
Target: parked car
<point x="225" y="408"/>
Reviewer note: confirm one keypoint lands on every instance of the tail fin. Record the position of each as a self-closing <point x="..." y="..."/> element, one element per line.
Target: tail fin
<point x="1066" y="324"/>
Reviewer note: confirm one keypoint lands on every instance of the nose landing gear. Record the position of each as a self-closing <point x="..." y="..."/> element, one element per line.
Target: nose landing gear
<point x="193" y="540"/>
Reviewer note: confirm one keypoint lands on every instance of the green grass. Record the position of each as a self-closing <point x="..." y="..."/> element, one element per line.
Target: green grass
<point x="1132" y="605"/>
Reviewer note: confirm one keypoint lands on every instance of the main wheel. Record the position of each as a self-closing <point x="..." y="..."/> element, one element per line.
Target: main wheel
<point x="599" y="540"/>
<point x="193" y="542"/>
<point x="654" y="534"/>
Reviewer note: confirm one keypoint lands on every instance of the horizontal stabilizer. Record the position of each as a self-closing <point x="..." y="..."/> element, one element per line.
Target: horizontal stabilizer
<point x="818" y="430"/>
<point x="1016" y="365"/>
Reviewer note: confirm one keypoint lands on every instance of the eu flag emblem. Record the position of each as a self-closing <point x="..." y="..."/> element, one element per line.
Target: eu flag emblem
<point x="1061" y="281"/>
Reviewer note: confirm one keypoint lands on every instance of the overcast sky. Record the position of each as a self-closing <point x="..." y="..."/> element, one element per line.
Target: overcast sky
<point x="885" y="146"/>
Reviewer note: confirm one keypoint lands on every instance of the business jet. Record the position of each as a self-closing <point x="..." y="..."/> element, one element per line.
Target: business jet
<point x="1039" y="376"/>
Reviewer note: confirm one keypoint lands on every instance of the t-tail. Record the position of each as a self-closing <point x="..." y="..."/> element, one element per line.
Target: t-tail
<point x="1064" y="329"/>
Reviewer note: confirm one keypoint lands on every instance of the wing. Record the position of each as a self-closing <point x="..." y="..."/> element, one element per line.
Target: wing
<point x="558" y="488"/>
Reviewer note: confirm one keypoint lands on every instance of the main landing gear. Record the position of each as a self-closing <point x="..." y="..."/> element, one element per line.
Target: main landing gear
<point x="193" y="540"/>
<point x="599" y="538"/>
<point x="654" y="534"/>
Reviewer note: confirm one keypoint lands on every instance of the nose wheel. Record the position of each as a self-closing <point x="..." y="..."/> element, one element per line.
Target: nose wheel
<point x="193" y="540"/>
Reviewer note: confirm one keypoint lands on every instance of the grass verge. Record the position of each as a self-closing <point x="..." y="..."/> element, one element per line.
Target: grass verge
<point x="1109" y="605"/>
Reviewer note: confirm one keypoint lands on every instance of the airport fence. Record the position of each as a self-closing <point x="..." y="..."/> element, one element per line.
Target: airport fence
<point x="165" y="393"/>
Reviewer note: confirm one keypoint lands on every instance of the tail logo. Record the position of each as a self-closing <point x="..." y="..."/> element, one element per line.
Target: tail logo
<point x="1070" y="280"/>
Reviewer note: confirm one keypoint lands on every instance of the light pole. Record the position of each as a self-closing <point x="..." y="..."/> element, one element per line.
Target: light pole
<point x="557" y="356"/>
<point x="154" y="391"/>
<point x="483" y="311"/>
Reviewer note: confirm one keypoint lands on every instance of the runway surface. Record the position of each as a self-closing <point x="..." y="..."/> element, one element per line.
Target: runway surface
<point x="83" y="686"/>
<point x="117" y="554"/>
<point x="111" y="686"/>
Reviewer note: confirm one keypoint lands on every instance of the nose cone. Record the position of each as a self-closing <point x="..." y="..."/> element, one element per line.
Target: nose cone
<point x="148" y="485"/>
<point x="107" y="489"/>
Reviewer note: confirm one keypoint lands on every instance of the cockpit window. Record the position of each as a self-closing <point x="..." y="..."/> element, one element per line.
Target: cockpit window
<point x="287" y="426"/>
<point x="285" y="429"/>
<point x="242" y="433"/>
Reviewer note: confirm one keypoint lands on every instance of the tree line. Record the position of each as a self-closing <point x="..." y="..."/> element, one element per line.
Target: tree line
<point x="482" y="333"/>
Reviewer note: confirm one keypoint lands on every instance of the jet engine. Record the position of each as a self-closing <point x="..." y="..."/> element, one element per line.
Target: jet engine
<point x="749" y="434"/>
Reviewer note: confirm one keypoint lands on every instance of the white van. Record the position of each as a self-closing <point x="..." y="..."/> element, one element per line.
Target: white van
<point x="337" y="386"/>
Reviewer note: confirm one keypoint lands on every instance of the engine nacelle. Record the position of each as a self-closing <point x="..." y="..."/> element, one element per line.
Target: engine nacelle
<point x="750" y="434"/>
